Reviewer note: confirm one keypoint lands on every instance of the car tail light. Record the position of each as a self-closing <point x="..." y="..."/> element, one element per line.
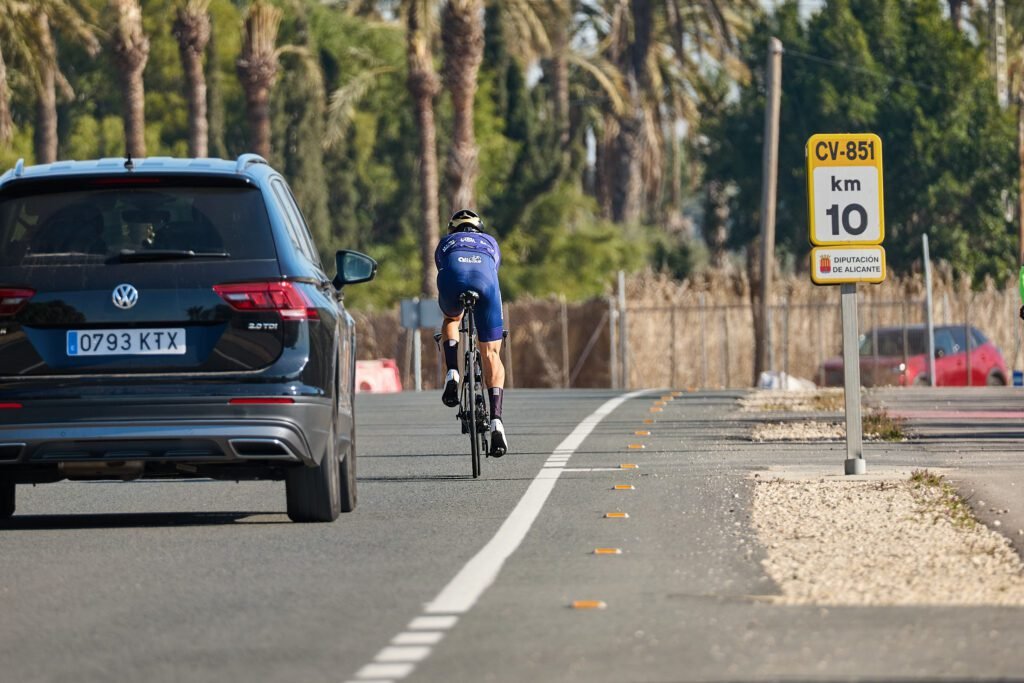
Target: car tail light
<point x="13" y="300"/>
<point x="9" y="406"/>
<point x="284" y="297"/>
<point x="259" y="401"/>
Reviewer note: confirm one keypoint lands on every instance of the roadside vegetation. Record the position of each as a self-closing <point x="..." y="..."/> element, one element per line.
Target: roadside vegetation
<point x="939" y="500"/>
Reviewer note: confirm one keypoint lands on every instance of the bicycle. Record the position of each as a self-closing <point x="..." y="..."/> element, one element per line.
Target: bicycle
<point x="473" y="412"/>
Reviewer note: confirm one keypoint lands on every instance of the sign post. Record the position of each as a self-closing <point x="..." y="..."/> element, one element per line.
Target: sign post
<point x="847" y="226"/>
<point x="413" y="315"/>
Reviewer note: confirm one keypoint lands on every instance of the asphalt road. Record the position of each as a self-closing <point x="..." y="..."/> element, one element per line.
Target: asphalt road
<point x="208" y="581"/>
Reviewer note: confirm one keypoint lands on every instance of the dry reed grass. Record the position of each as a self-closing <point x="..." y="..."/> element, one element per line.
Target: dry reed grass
<point x="699" y="332"/>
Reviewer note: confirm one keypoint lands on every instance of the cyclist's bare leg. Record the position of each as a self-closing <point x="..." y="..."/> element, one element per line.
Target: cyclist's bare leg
<point x="450" y="328"/>
<point x="494" y="370"/>
<point x="494" y="378"/>
<point x="449" y="345"/>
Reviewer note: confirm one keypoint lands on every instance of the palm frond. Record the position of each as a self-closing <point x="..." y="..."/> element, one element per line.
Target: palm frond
<point x="341" y="108"/>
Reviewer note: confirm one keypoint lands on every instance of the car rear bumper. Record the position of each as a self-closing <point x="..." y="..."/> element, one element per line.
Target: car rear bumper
<point x="164" y="436"/>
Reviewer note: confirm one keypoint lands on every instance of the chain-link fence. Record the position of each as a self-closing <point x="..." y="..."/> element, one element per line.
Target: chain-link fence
<point x="698" y="334"/>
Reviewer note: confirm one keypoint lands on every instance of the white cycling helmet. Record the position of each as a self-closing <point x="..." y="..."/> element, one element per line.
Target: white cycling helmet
<point x="465" y="220"/>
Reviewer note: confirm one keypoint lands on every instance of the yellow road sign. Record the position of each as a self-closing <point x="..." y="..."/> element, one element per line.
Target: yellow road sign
<point x="844" y="189"/>
<point x="844" y="264"/>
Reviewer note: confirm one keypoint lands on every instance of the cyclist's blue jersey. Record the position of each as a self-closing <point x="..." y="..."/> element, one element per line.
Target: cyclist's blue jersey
<point x="475" y="242"/>
<point x="469" y="261"/>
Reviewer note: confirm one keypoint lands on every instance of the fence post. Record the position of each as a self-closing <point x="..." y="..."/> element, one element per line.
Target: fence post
<point x="672" y="349"/>
<point x="508" y="349"/>
<point x="623" y="331"/>
<point x="613" y="348"/>
<point x="725" y="349"/>
<point x="703" y="343"/>
<point x="785" y="342"/>
<point x="564" y="314"/>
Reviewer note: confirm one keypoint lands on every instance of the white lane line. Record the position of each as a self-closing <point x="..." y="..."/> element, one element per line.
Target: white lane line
<point x="402" y="653"/>
<point x="458" y="597"/>
<point x="418" y="638"/>
<point x="389" y="671"/>
<point x="469" y="584"/>
<point x="432" y="623"/>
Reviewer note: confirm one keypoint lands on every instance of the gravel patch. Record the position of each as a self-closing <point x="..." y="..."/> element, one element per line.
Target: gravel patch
<point x="798" y="431"/>
<point x="884" y="542"/>
<point x="775" y="400"/>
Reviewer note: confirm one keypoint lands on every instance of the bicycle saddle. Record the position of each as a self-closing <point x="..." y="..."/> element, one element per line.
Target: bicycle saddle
<point x="469" y="298"/>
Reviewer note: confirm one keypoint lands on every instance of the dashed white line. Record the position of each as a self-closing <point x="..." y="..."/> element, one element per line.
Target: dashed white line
<point x="398" y="660"/>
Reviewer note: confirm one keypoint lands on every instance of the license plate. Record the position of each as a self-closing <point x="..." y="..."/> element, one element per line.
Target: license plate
<point x="135" y="342"/>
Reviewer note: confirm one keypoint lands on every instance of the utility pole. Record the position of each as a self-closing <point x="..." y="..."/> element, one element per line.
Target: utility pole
<point x="769" y="184"/>
<point x="998" y="13"/>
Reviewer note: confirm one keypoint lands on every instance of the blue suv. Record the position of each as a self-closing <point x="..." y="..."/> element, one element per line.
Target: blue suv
<point x="171" y="318"/>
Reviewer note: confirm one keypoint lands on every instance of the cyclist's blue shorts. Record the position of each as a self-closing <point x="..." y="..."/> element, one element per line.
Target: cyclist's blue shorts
<point x="480" y="278"/>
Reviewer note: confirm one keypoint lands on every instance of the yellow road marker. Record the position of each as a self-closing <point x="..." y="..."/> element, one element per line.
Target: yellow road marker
<point x="623" y="487"/>
<point x="642" y="432"/>
<point x="677" y="394"/>
<point x="667" y="398"/>
<point x="616" y="515"/>
<point x="661" y="404"/>
<point x="588" y="604"/>
<point x="607" y="551"/>
<point x="636" y="446"/>
<point x="656" y="410"/>
<point x="629" y="466"/>
<point x="649" y="421"/>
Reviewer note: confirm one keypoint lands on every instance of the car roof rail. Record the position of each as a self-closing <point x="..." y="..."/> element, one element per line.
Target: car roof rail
<point x="245" y="159"/>
<point x="19" y="168"/>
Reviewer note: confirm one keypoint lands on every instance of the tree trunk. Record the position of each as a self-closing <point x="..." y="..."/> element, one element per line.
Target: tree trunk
<point x="45" y="138"/>
<point x="131" y="52"/>
<point x="257" y="114"/>
<point x="6" y="122"/>
<point x="257" y="69"/>
<point x="956" y="12"/>
<point x="627" y="187"/>
<point x="560" y="75"/>
<point x="424" y="85"/>
<point x="214" y="99"/>
<point x="192" y="29"/>
<point x="464" y="49"/>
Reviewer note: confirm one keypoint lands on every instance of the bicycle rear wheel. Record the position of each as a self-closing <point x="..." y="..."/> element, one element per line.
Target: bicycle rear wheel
<point x="472" y="411"/>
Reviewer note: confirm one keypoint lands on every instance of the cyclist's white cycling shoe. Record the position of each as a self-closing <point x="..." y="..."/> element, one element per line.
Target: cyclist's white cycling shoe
<point x="499" y="445"/>
<point x="450" y="397"/>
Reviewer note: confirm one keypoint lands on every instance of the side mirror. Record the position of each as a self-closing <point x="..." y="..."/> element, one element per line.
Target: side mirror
<point x="353" y="267"/>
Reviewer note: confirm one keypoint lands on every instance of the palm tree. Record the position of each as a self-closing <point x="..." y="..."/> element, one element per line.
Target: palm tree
<point x="257" y="68"/>
<point x="26" y="33"/>
<point x="6" y="122"/>
<point x="192" y="29"/>
<point x="424" y="86"/>
<point x="659" y="48"/>
<point x="463" y="51"/>
<point x="131" y="52"/>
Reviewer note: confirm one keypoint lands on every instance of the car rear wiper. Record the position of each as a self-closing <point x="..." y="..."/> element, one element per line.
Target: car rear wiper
<point x="132" y="256"/>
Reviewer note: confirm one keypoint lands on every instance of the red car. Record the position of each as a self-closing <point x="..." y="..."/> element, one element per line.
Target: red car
<point x="899" y="356"/>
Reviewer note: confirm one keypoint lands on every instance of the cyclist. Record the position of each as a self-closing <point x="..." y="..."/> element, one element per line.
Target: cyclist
<point x="468" y="259"/>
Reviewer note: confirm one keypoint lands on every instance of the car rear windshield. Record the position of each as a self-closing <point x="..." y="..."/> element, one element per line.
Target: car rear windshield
<point x="100" y="222"/>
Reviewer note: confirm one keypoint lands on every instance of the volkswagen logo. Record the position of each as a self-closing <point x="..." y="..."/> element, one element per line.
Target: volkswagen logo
<point x="125" y="296"/>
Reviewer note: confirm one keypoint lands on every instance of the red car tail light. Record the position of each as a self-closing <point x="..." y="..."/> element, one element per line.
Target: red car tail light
<point x="284" y="297"/>
<point x="13" y="300"/>
<point x="10" y="406"/>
